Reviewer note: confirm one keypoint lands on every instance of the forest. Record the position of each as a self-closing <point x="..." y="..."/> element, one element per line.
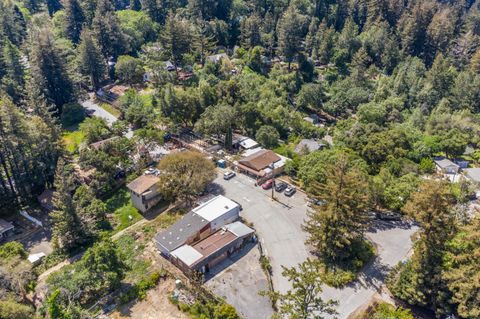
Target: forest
<point x="395" y="83"/>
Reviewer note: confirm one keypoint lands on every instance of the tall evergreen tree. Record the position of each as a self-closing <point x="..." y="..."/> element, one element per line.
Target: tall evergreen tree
<point x="48" y="73"/>
<point x="90" y="59"/>
<point x="53" y="6"/>
<point x="107" y="30"/>
<point x="420" y="281"/>
<point x="12" y="81"/>
<point x="203" y="42"/>
<point x="336" y="226"/>
<point x="67" y="228"/>
<point x="289" y="30"/>
<point x="175" y="38"/>
<point x="74" y="19"/>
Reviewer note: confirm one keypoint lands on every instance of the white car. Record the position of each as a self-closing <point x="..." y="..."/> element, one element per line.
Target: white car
<point x="228" y="175"/>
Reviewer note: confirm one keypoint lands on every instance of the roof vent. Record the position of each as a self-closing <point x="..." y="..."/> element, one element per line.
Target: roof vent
<point x="188" y="225"/>
<point x="226" y="207"/>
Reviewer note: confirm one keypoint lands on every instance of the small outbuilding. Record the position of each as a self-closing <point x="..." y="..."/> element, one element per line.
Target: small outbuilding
<point x="446" y="166"/>
<point x="308" y="146"/>
<point x="473" y="174"/>
<point x="6" y="229"/>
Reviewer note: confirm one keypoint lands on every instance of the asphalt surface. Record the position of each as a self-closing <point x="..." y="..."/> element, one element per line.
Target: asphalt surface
<point x="98" y="111"/>
<point x="240" y="288"/>
<point x="278" y="225"/>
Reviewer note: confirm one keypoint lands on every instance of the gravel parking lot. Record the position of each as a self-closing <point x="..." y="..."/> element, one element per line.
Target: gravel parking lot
<point x="278" y="225"/>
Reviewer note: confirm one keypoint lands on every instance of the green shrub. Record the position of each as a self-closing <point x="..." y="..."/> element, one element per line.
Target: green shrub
<point x="337" y="277"/>
<point x="139" y="290"/>
<point x="265" y="264"/>
<point x="11" y="250"/>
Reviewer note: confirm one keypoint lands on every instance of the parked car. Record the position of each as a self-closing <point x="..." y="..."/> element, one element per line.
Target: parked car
<point x="228" y="175"/>
<point x="268" y="184"/>
<point x="279" y="187"/>
<point x="290" y="191"/>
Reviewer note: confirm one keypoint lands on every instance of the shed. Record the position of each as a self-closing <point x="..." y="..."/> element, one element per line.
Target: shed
<point x="446" y="166"/>
<point x="6" y="228"/>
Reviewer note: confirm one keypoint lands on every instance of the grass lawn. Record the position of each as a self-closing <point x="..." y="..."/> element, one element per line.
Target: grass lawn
<point x="121" y="208"/>
<point x="72" y="140"/>
<point x="110" y="109"/>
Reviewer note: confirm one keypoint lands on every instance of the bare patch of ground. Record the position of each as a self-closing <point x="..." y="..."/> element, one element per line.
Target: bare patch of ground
<point x="155" y="306"/>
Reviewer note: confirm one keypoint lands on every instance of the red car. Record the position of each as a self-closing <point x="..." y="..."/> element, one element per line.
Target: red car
<point x="268" y="184"/>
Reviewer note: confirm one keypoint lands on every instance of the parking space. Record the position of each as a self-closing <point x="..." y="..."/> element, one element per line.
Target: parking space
<point x="238" y="280"/>
<point x="277" y="222"/>
<point x="278" y="225"/>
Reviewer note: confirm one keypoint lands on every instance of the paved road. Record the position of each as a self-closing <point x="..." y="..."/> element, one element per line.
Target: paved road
<point x="101" y="112"/>
<point x="279" y="229"/>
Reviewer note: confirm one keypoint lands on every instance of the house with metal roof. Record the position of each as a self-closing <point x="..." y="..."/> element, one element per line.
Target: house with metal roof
<point x="206" y="253"/>
<point x="199" y="223"/>
<point x="145" y="192"/>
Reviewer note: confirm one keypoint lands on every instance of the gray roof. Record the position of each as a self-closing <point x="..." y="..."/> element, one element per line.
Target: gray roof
<point x="473" y="174"/>
<point x="239" y="229"/>
<point x="177" y="234"/>
<point x="5" y="226"/>
<point x="311" y="145"/>
<point x="444" y="163"/>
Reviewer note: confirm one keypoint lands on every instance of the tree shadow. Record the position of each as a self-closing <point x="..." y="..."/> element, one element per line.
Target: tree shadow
<point x="232" y="259"/>
<point x="383" y="225"/>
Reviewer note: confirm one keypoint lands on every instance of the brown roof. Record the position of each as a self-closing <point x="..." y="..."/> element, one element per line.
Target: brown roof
<point x="45" y="199"/>
<point x="142" y="183"/>
<point x="214" y="243"/>
<point x="259" y="160"/>
<point x="98" y="145"/>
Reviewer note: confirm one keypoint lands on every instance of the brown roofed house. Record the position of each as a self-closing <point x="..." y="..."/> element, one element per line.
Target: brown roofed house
<point x="45" y="199"/>
<point x="258" y="163"/>
<point x="144" y="192"/>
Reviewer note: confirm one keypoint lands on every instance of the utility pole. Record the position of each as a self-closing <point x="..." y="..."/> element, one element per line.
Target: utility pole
<point x="272" y="166"/>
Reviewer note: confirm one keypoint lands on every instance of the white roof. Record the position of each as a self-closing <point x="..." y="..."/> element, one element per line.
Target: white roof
<point x="248" y="143"/>
<point x="251" y="151"/>
<point x="239" y="229"/>
<point x="187" y="254"/>
<point x="33" y="258"/>
<point x="215" y="208"/>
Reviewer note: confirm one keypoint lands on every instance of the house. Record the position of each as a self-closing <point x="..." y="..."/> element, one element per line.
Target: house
<point x="216" y="58"/>
<point x="101" y="144"/>
<point x="169" y="66"/>
<point x="45" y="200"/>
<point x="206" y="253"/>
<point x="446" y="166"/>
<point x="243" y="142"/>
<point x="198" y="224"/>
<point x="308" y="146"/>
<point x="473" y="174"/>
<point x="262" y="163"/>
<point x="6" y="229"/>
<point x="144" y="192"/>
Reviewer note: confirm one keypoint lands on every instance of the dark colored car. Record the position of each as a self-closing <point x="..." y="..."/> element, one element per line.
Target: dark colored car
<point x="279" y="187"/>
<point x="389" y="216"/>
<point x="290" y="191"/>
<point x="228" y="175"/>
<point x="268" y="184"/>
